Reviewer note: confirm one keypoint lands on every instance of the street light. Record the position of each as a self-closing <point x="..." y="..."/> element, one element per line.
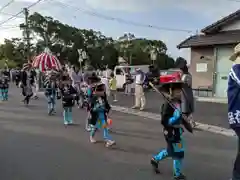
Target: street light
<point x="153" y="55"/>
<point x="82" y="57"/>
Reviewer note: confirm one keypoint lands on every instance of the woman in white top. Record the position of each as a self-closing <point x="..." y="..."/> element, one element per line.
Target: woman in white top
<point x="76" y="77"/>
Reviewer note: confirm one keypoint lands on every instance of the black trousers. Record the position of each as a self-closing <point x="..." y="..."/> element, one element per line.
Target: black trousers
<point x="236" y="169"/>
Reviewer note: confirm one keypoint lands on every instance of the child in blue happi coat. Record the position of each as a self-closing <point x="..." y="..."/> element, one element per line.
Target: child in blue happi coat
<point x="68" y="93"/>
<point x="51" y="92"/>
<point x="172" y="122"/>
<point x="4" y="89"/>
<point x="99" y="109"/>
<point x="92" y="81"/>
<point x="1" y="89"/>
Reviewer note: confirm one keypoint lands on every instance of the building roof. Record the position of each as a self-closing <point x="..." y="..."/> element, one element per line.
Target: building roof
<point x="216" y="26"/>
<point x="225" y="37"/>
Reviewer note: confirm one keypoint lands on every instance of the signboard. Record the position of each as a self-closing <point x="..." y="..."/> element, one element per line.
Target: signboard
<point x="201" y="67"/>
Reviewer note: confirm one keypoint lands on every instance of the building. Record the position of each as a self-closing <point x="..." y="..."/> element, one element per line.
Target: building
<point x="210" y="52"/>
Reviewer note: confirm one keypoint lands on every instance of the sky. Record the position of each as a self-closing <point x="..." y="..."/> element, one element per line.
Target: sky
<point x="187" y="15"/>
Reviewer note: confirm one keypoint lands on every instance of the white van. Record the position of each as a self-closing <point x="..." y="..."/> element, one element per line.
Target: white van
<point x="121" y="73"/>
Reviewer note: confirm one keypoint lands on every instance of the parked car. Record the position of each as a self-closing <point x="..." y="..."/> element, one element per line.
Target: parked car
<point x="170" y="75"/>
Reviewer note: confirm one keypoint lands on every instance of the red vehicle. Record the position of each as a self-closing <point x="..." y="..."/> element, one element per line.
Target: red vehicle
<point x="171" y="75"/>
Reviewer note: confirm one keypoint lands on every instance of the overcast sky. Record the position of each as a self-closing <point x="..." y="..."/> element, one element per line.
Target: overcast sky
<point x="177" y="14"/>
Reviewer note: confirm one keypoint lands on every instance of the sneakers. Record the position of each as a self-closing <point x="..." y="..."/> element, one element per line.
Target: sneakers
<point x="180" y="177"/>
<point x="110" y="143"/>
<point x="115" y="100"/>
<point x="154" y="164"/>
<point x="92" y="140"/>
<point x="135" y="107"/>
<point x="88" y="128"/>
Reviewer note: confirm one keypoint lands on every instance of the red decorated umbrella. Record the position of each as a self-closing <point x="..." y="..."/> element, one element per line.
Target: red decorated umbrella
<point x="46" y="61"/>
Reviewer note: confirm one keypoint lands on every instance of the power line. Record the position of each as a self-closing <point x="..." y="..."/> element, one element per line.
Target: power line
<point x="6" y="5"/>
<point x="8" y="14"/>
<point x="16" y="15"/>
<point x="120" y="20"/>
<point x="5" y="28"/>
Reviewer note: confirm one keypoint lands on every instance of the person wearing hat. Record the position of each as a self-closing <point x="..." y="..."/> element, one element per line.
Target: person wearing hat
<point x="171" y="119"/>
<point x="140" y="100"/>
<point x="26" y="82"/>
<point x="92" y="81"/>
<point x="76" y="77"/>
<point x="68" y="98"/>
<point x="233" y="95"/>
<point x="51" y="91"/>
<point x="99" y="109"/>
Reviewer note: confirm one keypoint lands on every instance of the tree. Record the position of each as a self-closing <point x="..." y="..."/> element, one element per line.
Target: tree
<point x="180" y="62"/>
<point x="65" y="41"/>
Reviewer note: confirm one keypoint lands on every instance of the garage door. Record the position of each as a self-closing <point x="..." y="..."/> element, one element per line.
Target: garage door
<point x="223" y="66"/>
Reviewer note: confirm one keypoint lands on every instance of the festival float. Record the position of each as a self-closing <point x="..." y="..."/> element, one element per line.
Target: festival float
<point x="46" y="61"/>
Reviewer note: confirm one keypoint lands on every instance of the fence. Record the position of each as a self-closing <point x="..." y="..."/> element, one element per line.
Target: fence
<point x="203" y="91"/>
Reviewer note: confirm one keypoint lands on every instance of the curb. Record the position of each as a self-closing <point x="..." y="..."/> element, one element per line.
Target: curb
<point x="157" y="117"/>
<point x="219" y="101"/>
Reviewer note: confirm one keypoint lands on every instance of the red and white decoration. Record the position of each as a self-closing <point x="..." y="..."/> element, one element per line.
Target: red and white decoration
<point x="46" y="61"/>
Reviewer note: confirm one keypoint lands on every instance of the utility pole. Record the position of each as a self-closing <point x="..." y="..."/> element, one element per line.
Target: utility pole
<point x="27" y="34"/>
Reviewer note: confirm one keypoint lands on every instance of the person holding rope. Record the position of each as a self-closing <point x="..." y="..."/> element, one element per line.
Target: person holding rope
<point x="173" y="122"/>
<point x="99" y="109"/>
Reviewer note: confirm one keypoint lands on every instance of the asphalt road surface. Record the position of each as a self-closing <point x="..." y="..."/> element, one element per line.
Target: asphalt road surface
<point x="35" y="146"/>
<point x="205" y="112"/>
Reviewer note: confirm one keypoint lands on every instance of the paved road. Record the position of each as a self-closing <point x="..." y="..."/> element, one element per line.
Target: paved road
<point x="206" y="112"/>
<point x="36" y="146"/>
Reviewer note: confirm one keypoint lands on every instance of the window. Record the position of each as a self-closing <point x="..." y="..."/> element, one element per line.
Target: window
<point x="119" y="72"/>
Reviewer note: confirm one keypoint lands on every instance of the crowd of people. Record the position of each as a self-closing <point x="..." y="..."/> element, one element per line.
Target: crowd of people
<point x="92" y="92"/>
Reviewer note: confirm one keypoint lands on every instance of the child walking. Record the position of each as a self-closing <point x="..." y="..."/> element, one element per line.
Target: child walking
<point x="51" y="92"/>
<point x="113" y="87"/>
<point x="99" y="110"/>
<point x="172" y="122"/>
<point x="5" y="87"/>
<point x="68" y="94"/>
<point x="91" y="81"/>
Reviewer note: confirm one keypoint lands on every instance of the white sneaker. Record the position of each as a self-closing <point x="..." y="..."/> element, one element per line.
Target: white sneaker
<point x="110" y="143"/>
<point x="115" y="100"/>
<point x="88" y="128"/>
<point x="92" y="140"/>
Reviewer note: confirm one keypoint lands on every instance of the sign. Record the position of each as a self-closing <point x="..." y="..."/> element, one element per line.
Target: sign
<point x="80" y="59"/>
<point x="153" y="55"/>
<point x="201" y="67"/>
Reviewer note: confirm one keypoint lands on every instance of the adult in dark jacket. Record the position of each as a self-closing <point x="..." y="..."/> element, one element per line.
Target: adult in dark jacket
<point x="233" y="93"/>
<point x="27" y="81"/>
<point x="187" y="100"/>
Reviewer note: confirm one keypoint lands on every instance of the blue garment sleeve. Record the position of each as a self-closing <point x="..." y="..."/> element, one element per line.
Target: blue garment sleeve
<point x="89" y="92"/>
<point x="235" y="73"/>
<point x="175" y="117"/>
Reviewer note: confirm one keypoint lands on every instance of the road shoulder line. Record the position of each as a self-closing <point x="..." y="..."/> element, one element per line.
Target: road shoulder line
<point x="157" y="117"/>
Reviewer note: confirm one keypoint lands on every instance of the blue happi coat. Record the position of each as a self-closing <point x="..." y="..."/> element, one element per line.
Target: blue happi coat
<point x="233" y="94"/>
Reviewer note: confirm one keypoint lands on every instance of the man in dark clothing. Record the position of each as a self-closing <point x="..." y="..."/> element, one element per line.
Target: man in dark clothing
<point x="233" y="93"/>
<point x="17" y="76"/>
<point x="27" y="81"/>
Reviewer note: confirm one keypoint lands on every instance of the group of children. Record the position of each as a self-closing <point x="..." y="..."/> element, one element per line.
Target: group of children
<point x="97" y="105"/>
<point x="98" y="108"/>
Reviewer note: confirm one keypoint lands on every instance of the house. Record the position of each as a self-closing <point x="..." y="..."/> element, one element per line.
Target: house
<point x="210" y="52"/>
